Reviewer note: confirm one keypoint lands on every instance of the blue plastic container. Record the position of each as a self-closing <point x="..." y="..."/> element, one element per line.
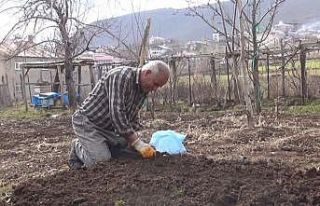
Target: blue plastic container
<point x="43" y="100"/>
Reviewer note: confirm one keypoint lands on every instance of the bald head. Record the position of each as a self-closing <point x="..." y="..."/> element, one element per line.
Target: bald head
<point x="157" y="67"/>
<point x="153" y="75"/>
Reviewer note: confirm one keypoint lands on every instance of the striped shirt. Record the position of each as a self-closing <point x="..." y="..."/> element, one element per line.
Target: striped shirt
<point x="115" y="101"/>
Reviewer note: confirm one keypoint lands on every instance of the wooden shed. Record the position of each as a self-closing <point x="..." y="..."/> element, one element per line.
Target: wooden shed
<point x="52" y="78"/>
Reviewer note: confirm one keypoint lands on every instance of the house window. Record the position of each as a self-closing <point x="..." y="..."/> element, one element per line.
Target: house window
<point x="17" y="66"/>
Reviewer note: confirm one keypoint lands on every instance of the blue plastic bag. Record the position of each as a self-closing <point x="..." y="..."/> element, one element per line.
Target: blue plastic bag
<point x="168" y="141"/>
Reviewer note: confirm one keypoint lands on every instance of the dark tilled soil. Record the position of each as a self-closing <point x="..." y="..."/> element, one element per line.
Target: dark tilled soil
<point x="179" y="180"/>
<point x="275" y="163"/>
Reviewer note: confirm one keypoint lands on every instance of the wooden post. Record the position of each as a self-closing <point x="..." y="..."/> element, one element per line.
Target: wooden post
<point x="214" y="77"/>
<point x="61" y="83"/>
<point x="56" y="81"/>
<point x="268" y="75"/>
<point x="100" y="71"/>
<point x="189" y="75"/>
<point x="174" y="78"/>
<point x="143" y="53"/>
<point x="51" y="81"/>
<point x="303" y="57"/>
<point x="2" y="92"/>
<point x="92" y="80"/>
<point x="29" y="86"/>
<point x="228" y="75"/>
<point x="2" y="97"/>
<point x="79" y="80"/>
<point x="283" y="61"/>
<point x="23" y="89"/>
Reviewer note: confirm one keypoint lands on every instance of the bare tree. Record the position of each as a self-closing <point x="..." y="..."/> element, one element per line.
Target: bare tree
<point x="245" y="29"/>
<point x="56" y="22"/>
<point x="255" y="23"/>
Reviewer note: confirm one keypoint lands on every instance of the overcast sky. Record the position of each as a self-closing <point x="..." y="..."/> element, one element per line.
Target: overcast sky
<point x="111" y="8"/>
<point x="101" y="9"/>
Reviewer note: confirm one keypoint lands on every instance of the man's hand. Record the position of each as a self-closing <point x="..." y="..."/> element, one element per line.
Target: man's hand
<point x="143" y="148"/>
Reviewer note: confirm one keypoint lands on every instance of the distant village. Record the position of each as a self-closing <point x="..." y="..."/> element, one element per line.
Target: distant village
<point x="285" y="32"/>
<point x="160" y="47"/>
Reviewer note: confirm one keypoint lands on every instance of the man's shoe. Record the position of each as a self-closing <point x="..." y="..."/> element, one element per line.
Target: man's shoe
<point x="74" y="162"/>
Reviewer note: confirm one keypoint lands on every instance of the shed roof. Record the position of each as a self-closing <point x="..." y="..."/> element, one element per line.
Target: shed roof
<point x="54" y="64"/>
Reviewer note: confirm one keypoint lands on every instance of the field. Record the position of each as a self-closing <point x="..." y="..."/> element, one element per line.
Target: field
<point x="312" y="65"/>
<point x="275" y="163"/>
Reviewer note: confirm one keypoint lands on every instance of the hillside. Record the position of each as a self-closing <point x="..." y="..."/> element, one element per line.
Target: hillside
<point x="175" y="24"/>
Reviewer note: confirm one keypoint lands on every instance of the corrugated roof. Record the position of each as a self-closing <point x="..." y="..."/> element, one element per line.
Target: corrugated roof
<point x="99" y="57"/>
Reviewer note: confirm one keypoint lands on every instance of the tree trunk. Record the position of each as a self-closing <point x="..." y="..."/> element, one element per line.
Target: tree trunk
<point x="255" y="61"/>
<point x="68" y="66"/>
<point x="70" y="85"/>
<point x="228" y="76"/>
<point x="235" y="78"/>
<point x="268" y="75"/>
<point x="23" y="89"/>
<point x="243" y="69"/>
<point x="189" y="82"/>
<point x="304" y="94"/>
<point x="173" y="67"/>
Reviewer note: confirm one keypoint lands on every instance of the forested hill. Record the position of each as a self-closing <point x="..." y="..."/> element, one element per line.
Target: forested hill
<point x="175" y="24"/>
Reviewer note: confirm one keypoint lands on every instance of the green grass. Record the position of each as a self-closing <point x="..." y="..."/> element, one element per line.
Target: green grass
<point x="311" y="64"/>
<point x="120" y="203"/>
<point x="309" y="107"/>
<point x="179" y="192"/>
<point x="313" y="68"/>
<point x="184" y="79"/>
<point x="19" y="112"/>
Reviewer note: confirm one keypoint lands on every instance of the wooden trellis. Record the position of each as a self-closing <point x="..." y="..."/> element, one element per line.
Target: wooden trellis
<point x="299" y="52"/>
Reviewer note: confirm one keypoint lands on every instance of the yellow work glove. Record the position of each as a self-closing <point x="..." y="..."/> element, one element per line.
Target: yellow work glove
<point x="143" y="148"/>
